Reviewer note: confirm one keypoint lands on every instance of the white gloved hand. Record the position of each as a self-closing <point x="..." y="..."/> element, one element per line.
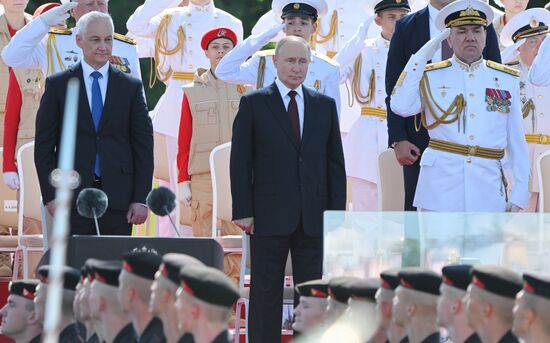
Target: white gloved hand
<point x="57" y="16"/>
<point x="434" y="44"/>
<point x="184" y="192"/>
<point x="363" y="29"/>
<point x="511" y="53"/>
<point x="266" y="36"/>
<point x="512" y="207"/>
<point x="11" y="179"/>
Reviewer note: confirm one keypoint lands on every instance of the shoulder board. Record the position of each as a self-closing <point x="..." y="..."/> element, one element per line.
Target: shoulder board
<point x="513" y="63"/>
<point x="325" y="58"/>
<point x="61" y="31"/>
<point x="438" y="65"/>
<point x="125" y="39"/>
<point x="503" y="68"/>
<point x="268" y="52"/>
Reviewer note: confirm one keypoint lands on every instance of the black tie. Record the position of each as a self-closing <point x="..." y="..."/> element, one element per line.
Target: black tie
<point x="293" y="115"/>
<point x="446" y="50"/>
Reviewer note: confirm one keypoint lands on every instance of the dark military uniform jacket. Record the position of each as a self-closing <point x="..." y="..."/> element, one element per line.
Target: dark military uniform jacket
<point x="126" y="335"/>
<point x="153" y="333"/>
<point x="509" y="338"/>
<point x="473" y="339"/>
<point x="70" y="334"/>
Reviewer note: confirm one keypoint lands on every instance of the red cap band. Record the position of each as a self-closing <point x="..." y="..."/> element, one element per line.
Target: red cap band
<point x="317" y="293"/>
<point x="447" y="281"/>
<point x="528" y="287"/>
<point x="100" y="278"/>
<point x="126" y="266"/>
<point x="163" y="270"/>
<point x="187" y="289"/>
<point x="27" y="294"/>
<point x="406" y="284"/>
<point x="476" y="281"/>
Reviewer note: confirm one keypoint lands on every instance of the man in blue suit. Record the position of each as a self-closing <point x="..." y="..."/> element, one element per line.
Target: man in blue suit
<point x="406" y="135"/>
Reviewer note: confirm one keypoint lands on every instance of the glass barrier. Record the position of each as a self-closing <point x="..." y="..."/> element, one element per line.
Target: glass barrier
<point x="365" y="243"/>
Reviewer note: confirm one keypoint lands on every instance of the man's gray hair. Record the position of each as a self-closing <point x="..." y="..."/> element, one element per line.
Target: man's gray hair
<point x="84" y="21"/>
<point x="294" y="39"/>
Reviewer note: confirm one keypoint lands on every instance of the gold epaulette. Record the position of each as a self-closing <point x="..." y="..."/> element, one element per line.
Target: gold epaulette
<point x="503" y="68"/>
<point x="268" y="52"/>
<point x="61" y="31"/>
<point x="438" y="65"/>
<point x="125" y="39"/>
<point x="325" y="58"/>
<point x="513" y="63"/>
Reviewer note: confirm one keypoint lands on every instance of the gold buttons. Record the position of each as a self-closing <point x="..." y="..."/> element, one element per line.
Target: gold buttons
<point x="190" y="38"/>
<point x="191" y="66"/>
<point x="379" y="91"/>
<point x="377" y="64"/>
<point x="541" y="114"/>
<point x="469" y="160"/>
<point x="471" y="95"/>
<point x="471" y="75"/>
<point x="378" y="77"/>
<point x="472" y="137"/>
<point x="472" y="115"/>
<point x="341" y="22"/>
<point x="414" y="69"/>
<point x="540" y="96"/>
<point x="189" y="25"/>
<point x="190" y="52"/>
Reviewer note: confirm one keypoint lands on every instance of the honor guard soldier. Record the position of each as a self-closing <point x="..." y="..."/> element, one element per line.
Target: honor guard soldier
<point x="414" y="306"/>
<point x="78" y="307"/>
<point x="363" y="307"/>
<point x="531" y="28"/>
<point x="532" y="309"/>
<point x="178" y="54"/>
<point x="299" y="20"/>
<point x="310" y="312"/>
<point x="19" y="321"/>
<point x="384" y="300"/>
<point x="511" y="9"/>
<point x="134" y="293"/>
<point x="539" y="74"/>
<point x="114" y="326"/>
<point x="490" y="302"/>
<point x="451" y="312"/>
<point x="363" y="65"/>
<point x="91" y="323"/>
<point x="38" y="46"/>
<point x="204" y="303"/>
<point x="71" y="277"/>
<point x="471" y="108"/>
<point x="163" y="294"/>
<point x="338" y="297"/>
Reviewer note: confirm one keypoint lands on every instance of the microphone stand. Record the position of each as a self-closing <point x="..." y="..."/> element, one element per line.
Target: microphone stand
<point x="95" y="221"/>
<point x="171" y="221"/>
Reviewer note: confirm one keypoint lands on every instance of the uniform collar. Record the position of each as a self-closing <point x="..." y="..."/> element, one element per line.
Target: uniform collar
<point x="205" y="8"/>
<point x="283" y="89"/>
<point x="384" y="42"/>
<point x="468" y="68"/>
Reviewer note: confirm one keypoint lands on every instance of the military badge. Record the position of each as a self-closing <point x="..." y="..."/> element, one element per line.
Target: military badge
<point x="498" y="100"/>
<point x="317" y="85"/>
<point x="121" y="63"/>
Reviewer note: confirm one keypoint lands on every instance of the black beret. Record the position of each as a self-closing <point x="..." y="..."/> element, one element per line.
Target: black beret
<point x="537" y="284"/>
<point x="107" y="272"/>
<point x="299" y="9"/>
<point x="419" y="279"/>
<point x="24" y="288"/>
<point x="390" y="278"/>
<point x="172" y="263"/>
<point x="457" y="276"/>
<point x="83" y="273"/>
<point x="313" y="288"/>
<point x="387" y="4"/>
<point x="209" y="285"/>
<point x="143" y="264"/>
<point x="338" y="288"/>
<point x="498" y="280"/>
<point x="364" y="288"/>
<point x="71" y="276"/>
<point x="89" y="265"/>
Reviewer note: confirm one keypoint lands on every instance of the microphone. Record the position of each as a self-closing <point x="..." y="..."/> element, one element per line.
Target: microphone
<point x="162" y="201"/>
<point x="92" y="203"/>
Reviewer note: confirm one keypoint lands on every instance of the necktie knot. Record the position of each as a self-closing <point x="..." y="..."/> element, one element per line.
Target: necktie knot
<point x="96" y="75"/>
<point x="292" y="94"/>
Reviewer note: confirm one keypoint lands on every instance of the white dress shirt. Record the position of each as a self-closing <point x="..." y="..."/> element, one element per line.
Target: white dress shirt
<point x="434" y="31"/>
<point x="299" y="100"/>
<point x="87" y="71"/>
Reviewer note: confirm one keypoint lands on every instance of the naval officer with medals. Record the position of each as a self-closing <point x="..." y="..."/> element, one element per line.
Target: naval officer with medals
<point x="472" y="110"/>
<point x="39" y="46"/>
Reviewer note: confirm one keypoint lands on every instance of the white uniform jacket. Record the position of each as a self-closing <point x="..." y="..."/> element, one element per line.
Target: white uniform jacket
<point x="178" y="32"/>
<point x="539" y="75"/>
<point x="363" y="65"/>
<point x="491" y="118"/>
<point x="35" y="46"/>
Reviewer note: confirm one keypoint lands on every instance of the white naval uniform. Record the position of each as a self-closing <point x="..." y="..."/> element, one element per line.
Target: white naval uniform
<point x="451" y="182"/>
<point x="323" y="73"/>
<point x="36" y="47"/>
<point x="369" y="134"/>
<point x="536" y="121"/>
<point x="539" y="75"/>
<point x="192" y="22"/>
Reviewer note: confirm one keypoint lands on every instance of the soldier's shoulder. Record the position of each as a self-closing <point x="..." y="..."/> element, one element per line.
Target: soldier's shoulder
<point x="438" y="65"/>
<point x="57" y="31"/>
<point x="325" y="58"/>
<point x="502" y="68"/>
<point x="124" y="39"/>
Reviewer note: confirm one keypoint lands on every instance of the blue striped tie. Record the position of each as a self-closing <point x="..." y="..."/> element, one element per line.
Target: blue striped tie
<point x="97" y="109"/>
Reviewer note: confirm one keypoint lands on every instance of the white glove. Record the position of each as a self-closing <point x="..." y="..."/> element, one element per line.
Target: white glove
<point x="434" y="44"/>
<point x="57" y="16"/>
<point x="11" y="179"/>
<point x="512" y="207"/>
<point x="184" y="190"/>
<point x="266" y="36"/>
<point x="363" y="29"/>
<point x="511" y="53"/>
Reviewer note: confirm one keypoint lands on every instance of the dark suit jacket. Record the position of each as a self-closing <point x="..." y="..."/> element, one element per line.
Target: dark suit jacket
<point x="276" y="179"/>
<point x="411" y="33"/>
<point x="124" y="139"/>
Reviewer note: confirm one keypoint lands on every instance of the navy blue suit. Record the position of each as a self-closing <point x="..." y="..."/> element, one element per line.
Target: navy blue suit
<point x="411" y="33"/>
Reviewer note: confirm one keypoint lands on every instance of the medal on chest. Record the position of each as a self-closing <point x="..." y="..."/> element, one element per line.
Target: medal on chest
<point x="498" y="100"/>
<point x="121" y="63"/>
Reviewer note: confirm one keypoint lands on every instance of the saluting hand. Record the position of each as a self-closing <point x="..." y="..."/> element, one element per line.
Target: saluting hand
<point x="57" y="16"/>
<point x="434" y="44"/>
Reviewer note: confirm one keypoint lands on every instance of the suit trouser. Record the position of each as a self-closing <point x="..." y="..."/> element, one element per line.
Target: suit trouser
<point x="410" y="179"/>
<point x="268" y="256"/>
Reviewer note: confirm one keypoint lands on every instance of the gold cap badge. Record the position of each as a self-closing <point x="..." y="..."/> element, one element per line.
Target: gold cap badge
<point x="533" y="22"/>
<point x="296" y="6"/>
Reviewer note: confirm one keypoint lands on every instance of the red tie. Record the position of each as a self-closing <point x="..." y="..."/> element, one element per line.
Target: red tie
<point x="446" y="50"/>
<point x="293" y="115"/>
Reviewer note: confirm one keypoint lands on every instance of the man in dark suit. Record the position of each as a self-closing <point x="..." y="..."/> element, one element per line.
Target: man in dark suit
<point x="406" y="135"/>
<point x="114" y="144"/>
<point x="287" y="168"/>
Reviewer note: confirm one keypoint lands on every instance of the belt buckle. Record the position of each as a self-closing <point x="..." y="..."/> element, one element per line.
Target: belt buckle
<point x="543" y="139"/>
<point x="472" y="150"/>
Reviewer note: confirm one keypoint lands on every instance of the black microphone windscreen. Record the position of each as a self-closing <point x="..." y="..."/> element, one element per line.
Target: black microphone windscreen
<point x="90" y="199"/>
<point x="161" y="201"/>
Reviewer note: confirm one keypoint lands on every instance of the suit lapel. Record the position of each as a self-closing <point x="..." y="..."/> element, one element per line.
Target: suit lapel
<point x="308" y="116"/>
<point x="277" y="107"/>
<point x="110" y="94"/>
<point x="423" y="22"/>
<point x="85" y="114"/>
